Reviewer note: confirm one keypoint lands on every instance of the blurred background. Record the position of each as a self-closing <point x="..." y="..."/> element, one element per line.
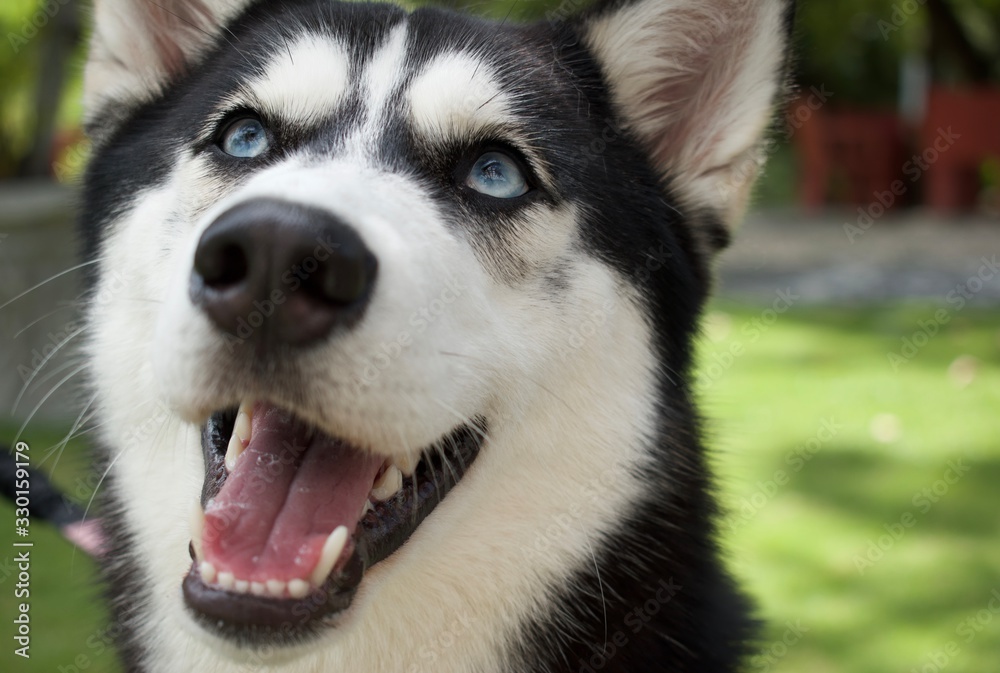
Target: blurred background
<point x="849" y="368"/>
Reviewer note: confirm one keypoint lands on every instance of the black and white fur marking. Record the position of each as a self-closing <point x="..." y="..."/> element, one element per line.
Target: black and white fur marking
<point x="563" y="317"/>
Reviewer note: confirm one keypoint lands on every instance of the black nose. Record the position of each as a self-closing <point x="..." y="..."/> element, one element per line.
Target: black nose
<point x="280" y="273"/>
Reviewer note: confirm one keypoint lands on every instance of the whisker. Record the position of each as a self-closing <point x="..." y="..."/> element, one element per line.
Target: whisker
<point x="49" y="280"/>
<point x="46" y="399"/>
<point x="41" y="366"/>
<point x="600" y="583"/>
<point x="60" y="446"/>
<point x="72" y="304"/>
<point x="56" y="372"/>
<point x="465" y="420"/>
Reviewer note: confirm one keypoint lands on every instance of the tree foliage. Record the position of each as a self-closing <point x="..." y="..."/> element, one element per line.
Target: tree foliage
<point x="853" y="47"/>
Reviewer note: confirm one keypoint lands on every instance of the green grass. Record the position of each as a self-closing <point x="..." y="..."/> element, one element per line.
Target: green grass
<point x="67" y="616"/>
<point x="796" y="544"/>
<point x="801" y="546"/>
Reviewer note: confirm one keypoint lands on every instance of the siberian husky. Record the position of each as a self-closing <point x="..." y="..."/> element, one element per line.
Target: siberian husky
<point x="390" y="330"/>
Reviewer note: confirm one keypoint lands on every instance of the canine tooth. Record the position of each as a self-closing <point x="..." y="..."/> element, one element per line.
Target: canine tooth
<point x="241" y="436"/>
<point x="407" y="465"/>
<point x="276" y="588"/>
<point x="390" y="483"/>
<point x="197" y="531"/>
<point x="258" y="588"/>
<point x="332" y="549"/>
<point x="207" y="572"/>
<point x="227" y="581"/>
<point x="233" y="452"/>
<point x="241" y="586"/>
<point x="244" y="427"/>
<point x="298" y="588"/>
<point x="365" y="508"/>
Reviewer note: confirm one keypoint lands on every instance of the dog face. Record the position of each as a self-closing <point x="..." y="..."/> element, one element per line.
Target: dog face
<point x="350" y="261"/>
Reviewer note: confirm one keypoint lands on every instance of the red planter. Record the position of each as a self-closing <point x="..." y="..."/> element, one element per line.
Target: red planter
<point x="847" y="156"/>
<point x="971" y="117"/>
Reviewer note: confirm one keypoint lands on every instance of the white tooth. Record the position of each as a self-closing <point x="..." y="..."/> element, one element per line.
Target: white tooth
<point x="245" y="414"/>
<point x="367" y="507"/>
<point x="276" y="588"/>
<point x="227" y="581"/>
<point x="233" y="452"/>
<point x="298" y="588"/>
<point x="241" y="586"/>
<point x="389" y="484"/>
<point x="197" y="531"/>
<point x="241" y="436"/>
<point x="207" y="572"/>
<point x="258" y="588"/>
<point x="407" y="464"/>
<point x="332" y="549"/>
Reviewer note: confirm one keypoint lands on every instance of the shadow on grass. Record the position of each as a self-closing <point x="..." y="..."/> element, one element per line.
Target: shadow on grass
<point x="880" y="490"/>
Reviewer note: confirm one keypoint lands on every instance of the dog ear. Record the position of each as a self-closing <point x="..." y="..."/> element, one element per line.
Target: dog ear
<point x="696" y="81"/>
<point x="139" y="46"/>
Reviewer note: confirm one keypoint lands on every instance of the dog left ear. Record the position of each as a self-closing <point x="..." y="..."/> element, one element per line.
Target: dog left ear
<point x="696" y="81"/>
<point x="139" y="46"/>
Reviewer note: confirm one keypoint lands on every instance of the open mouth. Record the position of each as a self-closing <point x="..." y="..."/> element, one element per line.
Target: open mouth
<point x="291" y="519"/>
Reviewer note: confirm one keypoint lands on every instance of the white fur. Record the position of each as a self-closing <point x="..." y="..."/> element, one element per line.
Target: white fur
<point x="304" y="83"/>
<point x="455" y="96"/>
<point x="379" y="81"/>
<point x="697" y="80"/>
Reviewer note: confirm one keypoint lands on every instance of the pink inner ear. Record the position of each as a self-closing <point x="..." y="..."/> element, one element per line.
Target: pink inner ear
<point x="697" y="95"/>
<point x="176" y="26"/>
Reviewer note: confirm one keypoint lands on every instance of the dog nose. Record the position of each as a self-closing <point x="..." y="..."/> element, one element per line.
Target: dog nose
<point x="280" y="273"/>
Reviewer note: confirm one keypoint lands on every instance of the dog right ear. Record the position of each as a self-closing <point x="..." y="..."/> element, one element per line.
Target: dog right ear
<point x="697" y="82"/>
<point x="140" y="46"/>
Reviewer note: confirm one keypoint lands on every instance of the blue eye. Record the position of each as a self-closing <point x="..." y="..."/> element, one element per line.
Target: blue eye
<point x="245" y="139"/>
<point x="498" y="175"/>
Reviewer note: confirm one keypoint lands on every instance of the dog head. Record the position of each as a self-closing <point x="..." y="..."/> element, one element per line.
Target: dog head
<point x="380" y="294"/>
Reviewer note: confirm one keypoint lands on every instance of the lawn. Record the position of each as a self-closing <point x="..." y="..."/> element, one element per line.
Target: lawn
<point x="861" y="494"/>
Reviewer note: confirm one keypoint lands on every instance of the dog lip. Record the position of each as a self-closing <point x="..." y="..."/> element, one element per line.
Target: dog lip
<point x="243" y="617"/>
<point x="248" y="618"/>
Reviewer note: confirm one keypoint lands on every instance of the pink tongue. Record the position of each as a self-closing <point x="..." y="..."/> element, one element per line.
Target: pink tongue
<point x="289" y="491"/>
